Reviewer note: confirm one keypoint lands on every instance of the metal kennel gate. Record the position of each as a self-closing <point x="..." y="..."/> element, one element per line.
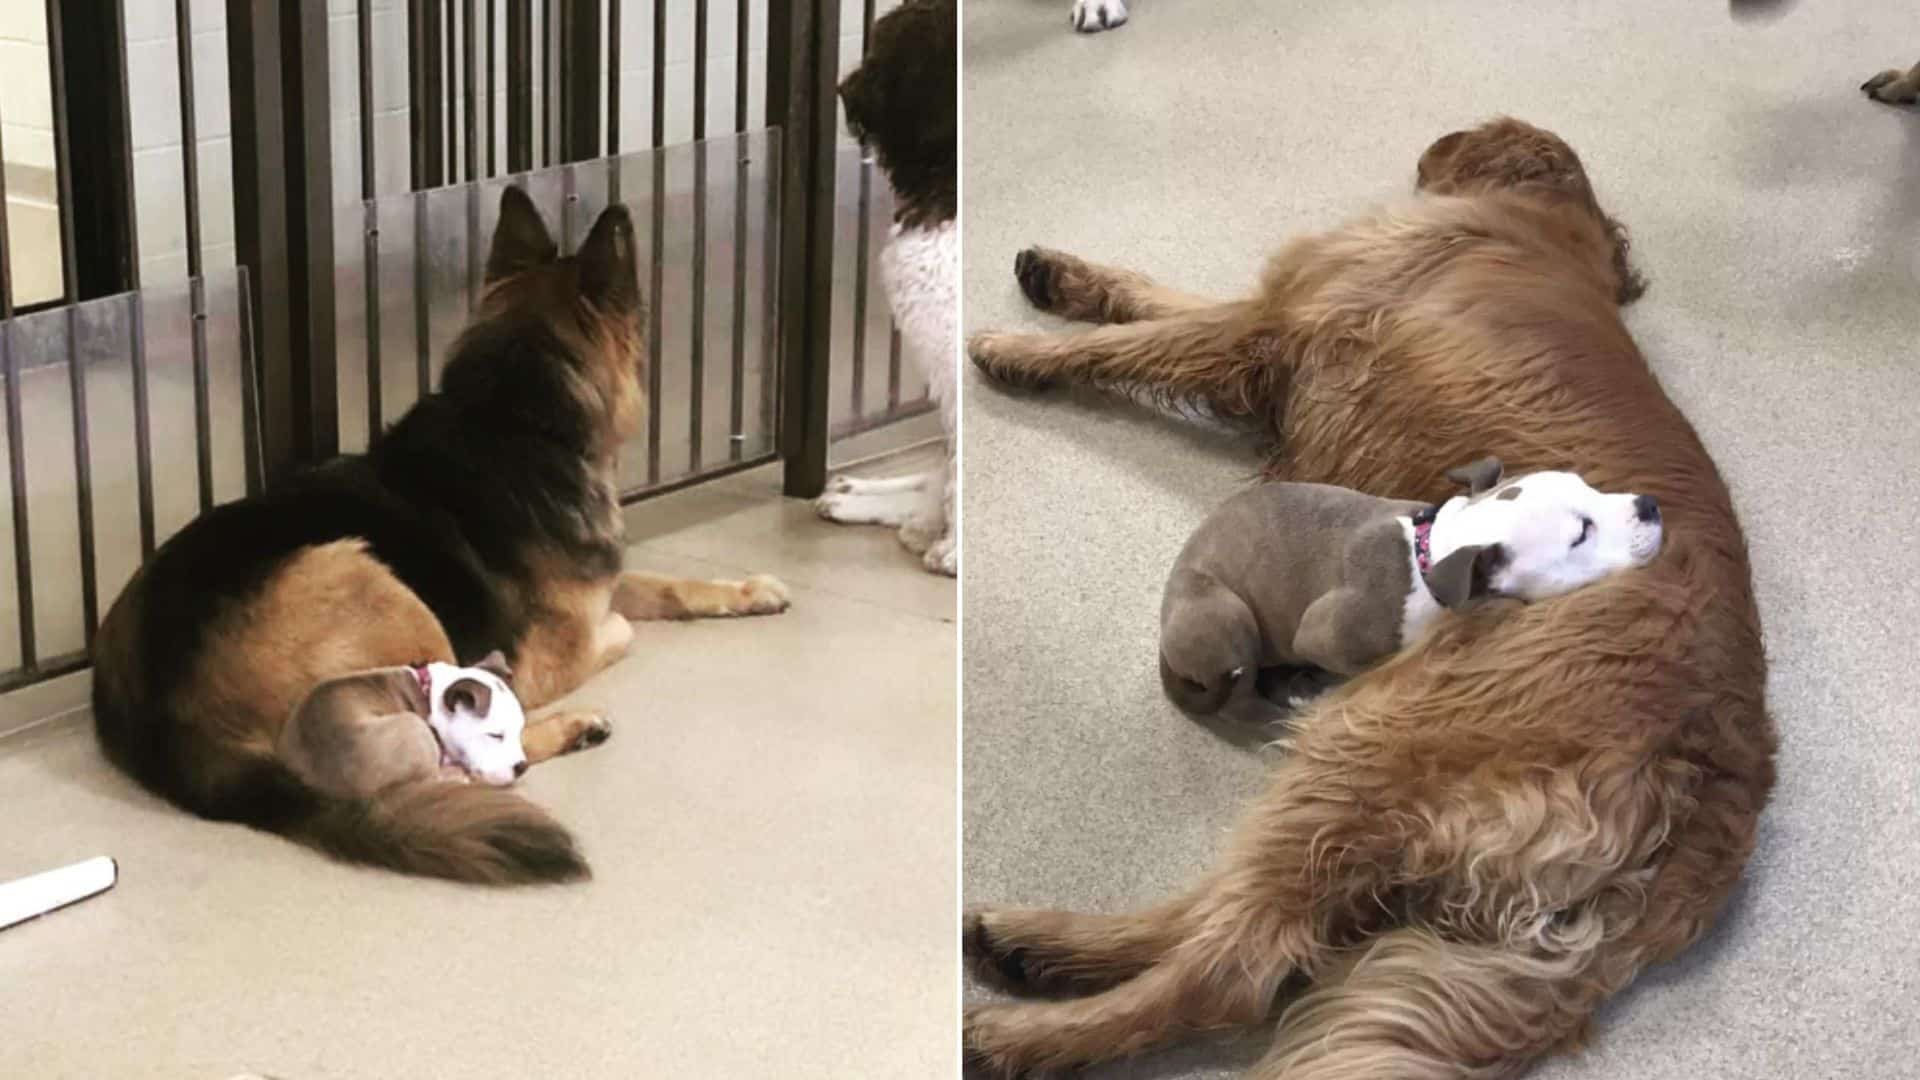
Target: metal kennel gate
<point x="188" y="377"/>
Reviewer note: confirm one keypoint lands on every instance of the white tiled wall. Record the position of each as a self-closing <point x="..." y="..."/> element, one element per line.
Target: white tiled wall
<point x="153" y="94"/>
<point x="154" y="97"/>
<point x="26" y="130"/>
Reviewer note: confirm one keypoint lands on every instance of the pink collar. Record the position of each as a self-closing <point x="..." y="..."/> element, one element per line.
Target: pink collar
<point x="1423" y="539"/>
<point x="421" y="673"/>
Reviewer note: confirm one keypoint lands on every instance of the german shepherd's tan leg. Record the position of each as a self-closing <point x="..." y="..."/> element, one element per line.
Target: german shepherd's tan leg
<point x="646" y="597"/>
<point x="1032" y="951"/>
<point x="565" y="731"/>
<point x="1073" y="288"/>
<point x="1895" y="87"/>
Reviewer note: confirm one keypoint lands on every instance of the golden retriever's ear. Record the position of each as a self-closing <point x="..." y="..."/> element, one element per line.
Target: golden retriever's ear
<point x="521" y="241"/>
<point x="1431" y="161"/>
<point x="1477" y="476"/>
<point x="1466" y="574"/>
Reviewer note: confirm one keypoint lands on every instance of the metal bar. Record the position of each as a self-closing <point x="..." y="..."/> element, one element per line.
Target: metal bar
<point x="628" y="498"/>
<point x="862" y="231"/>
<point x="803" y="40"/>
<point x="70" y="279"/>
<point x="308" y="173"/>
<point x="472" y="77"/>
<point x="493" y="90"/>
<point x="452" y="36"/>
<point x="52" y="669"/>
<point x="260" y="154"/>
<point x="202" y="394"/>
<point x="422" y="336"/>
<point x="370" y="222"/>
<point x="549" y="80"/>
<point x="893" y="368"/>
<point x="190" y="179"/>
<point x="83" y="481"/>
<point x="429" y="134"/>
<point x="519" y="85"/>
<point x="17" y="474"/>
<point x="142" y="423"/>
<point x="613" y="89"/>
<point x="86" y="50"/>
<point x="697" y="380"/>
<point x="737" y="384"/>
<point x="579" y="80"/>
<point x="6" y="252"/>
<point x="657" y="273"/>
<point x="250" y="399"/>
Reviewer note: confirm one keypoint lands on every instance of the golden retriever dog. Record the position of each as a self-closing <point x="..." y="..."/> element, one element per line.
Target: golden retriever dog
<point x="1466" y="849"/>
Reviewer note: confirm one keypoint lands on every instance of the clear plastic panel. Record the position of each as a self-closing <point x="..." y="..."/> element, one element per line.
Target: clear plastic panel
<point x="884" y="383"/>
<point x="107" y="341"/>
<point x="708" y="206"/>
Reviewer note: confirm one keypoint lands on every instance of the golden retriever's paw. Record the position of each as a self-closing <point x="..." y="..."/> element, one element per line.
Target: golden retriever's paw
<point x="1093" y="16"/>
<point x="994" y="354"/>
<point x="1894" y="87"/>
<point x="763" y="594"/>
<point x="987" y="1053"/>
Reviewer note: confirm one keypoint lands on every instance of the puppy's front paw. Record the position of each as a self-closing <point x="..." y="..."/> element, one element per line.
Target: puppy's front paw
<point x="1893" y="87"/>
<point x="1093" y="16"/>
<point x="763" y="594"/>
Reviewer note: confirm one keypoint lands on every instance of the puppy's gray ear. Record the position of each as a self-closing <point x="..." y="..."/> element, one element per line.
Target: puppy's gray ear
<point x="1477" y="476"/>
<point x="521" y="240"/>
<point x="495" y="663"/>
<point x="470" y="694"/>
<point x="1466" y="574"/>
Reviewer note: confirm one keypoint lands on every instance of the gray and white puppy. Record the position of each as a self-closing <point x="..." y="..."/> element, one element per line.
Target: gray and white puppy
<point x="1312" y="578"/>
<point x="358" y="734"/>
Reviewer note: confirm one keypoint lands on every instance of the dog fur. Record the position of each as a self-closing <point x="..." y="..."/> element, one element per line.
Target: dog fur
<point x="901" y="105"/>
<point x="485" y="518"/>
<point x="1471" y="846"/>
<point x="1895" y="87"/>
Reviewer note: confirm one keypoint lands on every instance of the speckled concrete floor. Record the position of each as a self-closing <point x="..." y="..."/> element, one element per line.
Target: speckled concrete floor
<point x="1777" y="215"/>
<point x="771" y="830"/>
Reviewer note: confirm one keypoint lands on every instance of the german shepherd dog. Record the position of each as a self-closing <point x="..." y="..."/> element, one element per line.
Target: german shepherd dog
<point x="1473" y="844"/>
<point x="485" y="518"/>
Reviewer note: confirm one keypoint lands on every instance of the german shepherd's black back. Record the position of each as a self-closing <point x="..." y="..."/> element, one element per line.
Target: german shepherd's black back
<point x="432" y="542"/>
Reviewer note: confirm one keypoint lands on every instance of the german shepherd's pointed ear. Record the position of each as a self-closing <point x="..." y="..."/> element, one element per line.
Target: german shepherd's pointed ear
<point x="609" y="272"/>
<point x="521" y="241"/>
<point x="1477" y="476"/>
<point x="495" y="663"/>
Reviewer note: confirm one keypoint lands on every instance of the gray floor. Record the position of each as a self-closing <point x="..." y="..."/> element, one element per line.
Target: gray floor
<point x="771" y="830"/>
<point x="1777" y="215"/>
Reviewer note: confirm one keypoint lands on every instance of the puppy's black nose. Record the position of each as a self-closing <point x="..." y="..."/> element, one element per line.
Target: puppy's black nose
<point x="1646" y="508"/>
<point x="519" y="769"/>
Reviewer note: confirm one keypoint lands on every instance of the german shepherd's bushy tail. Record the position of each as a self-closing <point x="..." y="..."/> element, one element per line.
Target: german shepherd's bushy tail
<point x="463" y="832"/>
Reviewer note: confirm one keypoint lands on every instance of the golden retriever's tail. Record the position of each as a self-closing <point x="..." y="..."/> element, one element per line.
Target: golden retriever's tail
<point x="462" y="832"/>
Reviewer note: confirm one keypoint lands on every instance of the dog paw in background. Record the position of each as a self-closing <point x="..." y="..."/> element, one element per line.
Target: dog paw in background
<point x="1093" y="16"/>
<point x="1894" y="87"/>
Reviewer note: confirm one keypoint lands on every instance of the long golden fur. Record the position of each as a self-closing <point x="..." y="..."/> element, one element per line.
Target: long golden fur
<point x="1465" y="850"/>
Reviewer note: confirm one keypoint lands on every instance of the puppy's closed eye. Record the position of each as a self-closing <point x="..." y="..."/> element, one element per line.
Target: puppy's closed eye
<point x="497" y="736"/>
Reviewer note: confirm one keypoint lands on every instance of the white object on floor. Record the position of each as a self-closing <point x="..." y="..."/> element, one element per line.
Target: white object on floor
<point x="31" y="897"/>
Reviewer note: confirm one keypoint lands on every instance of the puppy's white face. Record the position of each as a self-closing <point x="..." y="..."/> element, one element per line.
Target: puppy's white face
<point x="1555" y="533"/>
<point x="479" y="722"/>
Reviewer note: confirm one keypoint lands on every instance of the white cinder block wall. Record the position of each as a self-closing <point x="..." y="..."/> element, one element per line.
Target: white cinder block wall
<point x="26" y="131"/>
<point x="153" y="77"/>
